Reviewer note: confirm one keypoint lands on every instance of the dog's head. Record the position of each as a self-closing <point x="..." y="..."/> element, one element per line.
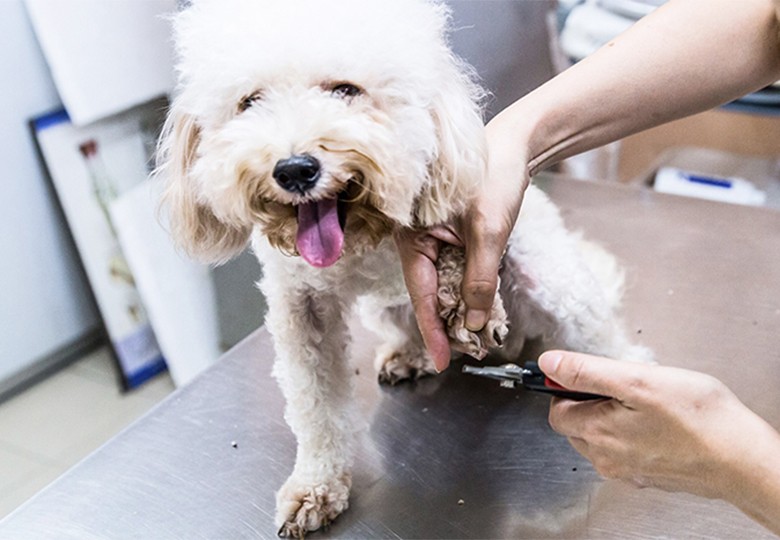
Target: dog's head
<point x="322" y="123"/>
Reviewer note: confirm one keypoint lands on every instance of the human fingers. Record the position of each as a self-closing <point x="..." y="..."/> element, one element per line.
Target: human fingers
<point x="485" y="245"/>
<point x="418" y="253"/>
<point x="625" y="381"/>
<point x="607" y="462"/>
<point x="580" y="445"/>
<point x="445" y="233"/>
<point x="486" y="229"/>
<point x="593" y="429"/>
<point x="583" y="419"/>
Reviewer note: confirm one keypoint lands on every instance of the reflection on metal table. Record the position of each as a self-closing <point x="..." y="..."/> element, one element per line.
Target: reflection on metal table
<point x="455" y="456"/>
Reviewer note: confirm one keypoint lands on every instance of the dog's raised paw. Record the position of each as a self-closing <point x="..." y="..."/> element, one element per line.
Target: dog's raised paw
<point x="302" y="507"/>
<point x="452" y="309"/>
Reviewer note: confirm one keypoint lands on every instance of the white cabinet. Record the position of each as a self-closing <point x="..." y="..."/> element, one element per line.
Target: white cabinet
<point x="105" y="56"/>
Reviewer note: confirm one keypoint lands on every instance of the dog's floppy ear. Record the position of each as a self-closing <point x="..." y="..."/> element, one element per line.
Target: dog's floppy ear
<point x="460" y="162"/>
<point x="193" y="225"/>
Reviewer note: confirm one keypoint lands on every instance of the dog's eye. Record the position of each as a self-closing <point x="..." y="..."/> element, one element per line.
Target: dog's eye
<point x="345" y="91"/>
<point x="249" y="100"/>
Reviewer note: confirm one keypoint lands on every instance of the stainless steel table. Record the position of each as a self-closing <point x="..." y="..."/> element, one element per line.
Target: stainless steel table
<point x="455" y="456"/>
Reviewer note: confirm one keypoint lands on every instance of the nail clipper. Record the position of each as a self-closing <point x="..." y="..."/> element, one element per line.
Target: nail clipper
<point x="530" y="377"/>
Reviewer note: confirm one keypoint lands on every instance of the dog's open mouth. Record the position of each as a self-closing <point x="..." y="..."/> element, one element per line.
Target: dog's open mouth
<point x="320" y="237"/>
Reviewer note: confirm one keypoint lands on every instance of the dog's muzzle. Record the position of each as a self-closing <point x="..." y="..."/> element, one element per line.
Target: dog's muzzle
<point x="297" y="174"/>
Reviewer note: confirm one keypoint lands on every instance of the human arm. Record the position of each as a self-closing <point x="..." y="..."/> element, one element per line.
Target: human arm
<point x="686" y="57"/>
<point x="669" y="428"/>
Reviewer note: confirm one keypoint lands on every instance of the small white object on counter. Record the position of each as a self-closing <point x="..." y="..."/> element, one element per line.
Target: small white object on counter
<point x="706" y="186"/>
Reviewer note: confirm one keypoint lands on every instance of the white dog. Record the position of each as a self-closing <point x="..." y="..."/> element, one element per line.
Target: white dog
<point x="313" y="128"/>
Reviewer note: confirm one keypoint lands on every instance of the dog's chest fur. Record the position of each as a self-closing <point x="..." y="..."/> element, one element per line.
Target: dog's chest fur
<point x="374" y="272"/>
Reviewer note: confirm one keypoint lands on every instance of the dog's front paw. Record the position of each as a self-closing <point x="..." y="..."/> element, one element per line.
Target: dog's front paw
<point x="476" y="344"/>
<point x="396" y="365"/>
<point x="453" y="310"/>
<point x="307" y="506"/>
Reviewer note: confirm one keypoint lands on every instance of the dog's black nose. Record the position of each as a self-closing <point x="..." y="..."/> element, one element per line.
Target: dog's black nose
<point x="297" y="174"/>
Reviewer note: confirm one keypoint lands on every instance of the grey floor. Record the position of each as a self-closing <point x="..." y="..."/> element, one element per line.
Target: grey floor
<point x="53" y="425"/>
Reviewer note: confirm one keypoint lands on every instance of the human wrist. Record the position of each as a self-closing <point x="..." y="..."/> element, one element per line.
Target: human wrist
<point x="752" y="478"/>
<point x="547" y="122"/>
<point x="509" y="136"/>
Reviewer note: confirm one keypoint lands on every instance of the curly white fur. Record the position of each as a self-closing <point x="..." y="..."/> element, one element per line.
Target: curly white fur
<point x="263" y="80"/>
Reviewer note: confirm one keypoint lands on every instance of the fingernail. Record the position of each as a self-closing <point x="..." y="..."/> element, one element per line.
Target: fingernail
<point x="475" y="319"/>
<point x="550" y="361"/>
<point x="440" y="365"/>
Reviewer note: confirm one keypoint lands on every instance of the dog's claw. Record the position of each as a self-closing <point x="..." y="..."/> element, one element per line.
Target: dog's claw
<point x="284" y="532"/>
<point x="393" y="378"/>
<point x="398" y="366"/>
<point x="385" y="378"/>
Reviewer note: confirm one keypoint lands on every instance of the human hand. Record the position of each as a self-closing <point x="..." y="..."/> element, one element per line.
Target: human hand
<point x="666" y="427"/>
<point x="491" y="216"/>
<point x="483" y="231"/>
<point x="419" y="250"/>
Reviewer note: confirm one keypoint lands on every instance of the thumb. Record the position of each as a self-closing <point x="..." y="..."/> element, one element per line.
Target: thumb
<point x="417" y="252"/>
<point x="595" y="374"/>
<point x="480" y="278"/>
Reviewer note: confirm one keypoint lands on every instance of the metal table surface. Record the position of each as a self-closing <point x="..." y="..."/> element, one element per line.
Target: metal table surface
<point x="455" y="456"/>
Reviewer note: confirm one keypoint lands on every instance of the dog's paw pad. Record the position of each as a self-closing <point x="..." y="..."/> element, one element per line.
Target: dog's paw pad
<point x="394" y="366"/>
<point x="302" y="507"/>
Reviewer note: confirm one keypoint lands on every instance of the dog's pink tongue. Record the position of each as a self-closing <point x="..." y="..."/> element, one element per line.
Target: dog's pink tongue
<point x="320" y="237"/>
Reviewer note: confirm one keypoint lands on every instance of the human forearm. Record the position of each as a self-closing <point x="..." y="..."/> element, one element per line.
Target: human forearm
<point x="686" y="57"/>
<point x="753" y="480"/>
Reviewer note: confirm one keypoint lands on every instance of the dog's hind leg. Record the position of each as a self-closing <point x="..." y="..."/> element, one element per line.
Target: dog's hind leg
<point x="579" y="316"/>
<point x="310" y="339"/>
<point x="562" y="288"/>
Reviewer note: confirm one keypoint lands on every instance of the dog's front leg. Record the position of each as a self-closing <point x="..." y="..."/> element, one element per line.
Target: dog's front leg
<point x="311" y="367"/>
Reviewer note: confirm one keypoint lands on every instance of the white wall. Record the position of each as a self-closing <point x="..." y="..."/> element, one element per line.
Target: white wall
<point x="507" y="42"/>
<point x="121" y="58"/>
<point x="43" y="301"/>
